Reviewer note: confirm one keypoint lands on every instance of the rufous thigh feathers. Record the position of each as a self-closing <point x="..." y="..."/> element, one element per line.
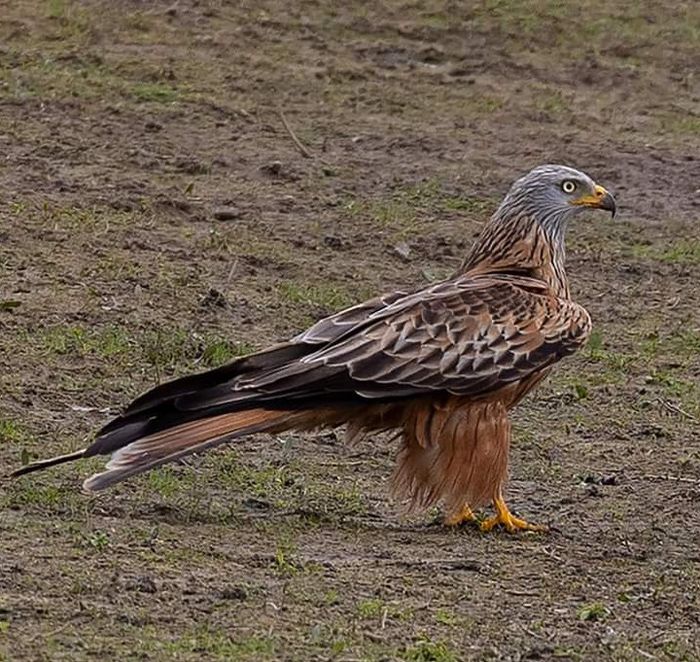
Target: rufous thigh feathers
<point x="454" y="453"/>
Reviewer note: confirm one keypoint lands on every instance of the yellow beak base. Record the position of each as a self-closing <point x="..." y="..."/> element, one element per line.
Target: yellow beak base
<point x="600" y="199"/>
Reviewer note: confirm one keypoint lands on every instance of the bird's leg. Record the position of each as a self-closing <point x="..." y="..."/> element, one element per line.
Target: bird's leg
<point x="460" y="517"/>
<point x="504" y="518"/>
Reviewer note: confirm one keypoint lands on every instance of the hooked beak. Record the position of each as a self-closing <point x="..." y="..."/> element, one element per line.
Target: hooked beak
<point x="600" y="199"/>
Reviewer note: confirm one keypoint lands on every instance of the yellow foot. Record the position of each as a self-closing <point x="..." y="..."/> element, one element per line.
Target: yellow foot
<point x="504" y="518"/>
<point x="460" y="517"/>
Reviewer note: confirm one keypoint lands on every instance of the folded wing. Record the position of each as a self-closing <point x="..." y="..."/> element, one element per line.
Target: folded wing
<point x="469" y="336"/>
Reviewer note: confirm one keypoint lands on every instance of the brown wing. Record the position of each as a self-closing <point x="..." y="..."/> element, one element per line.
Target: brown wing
<point x="335" y="326"/>
<point x="468" y="336"/>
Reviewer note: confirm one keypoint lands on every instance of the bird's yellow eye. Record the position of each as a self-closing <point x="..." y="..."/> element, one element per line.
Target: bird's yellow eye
<point x="568" y="186"/>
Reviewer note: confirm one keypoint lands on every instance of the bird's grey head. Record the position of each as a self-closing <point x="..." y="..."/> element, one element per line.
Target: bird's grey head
<point x="552" y="194"/>
<point x="546" y="198"/>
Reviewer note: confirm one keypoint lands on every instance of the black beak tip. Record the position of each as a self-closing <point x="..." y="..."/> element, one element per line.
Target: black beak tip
<point x="608" y="204"/>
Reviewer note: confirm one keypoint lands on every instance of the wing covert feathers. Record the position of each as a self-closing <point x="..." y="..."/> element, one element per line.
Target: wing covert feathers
<point x="469" y="337"/>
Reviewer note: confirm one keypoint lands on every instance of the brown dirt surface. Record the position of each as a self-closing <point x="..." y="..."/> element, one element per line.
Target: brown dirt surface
<point x="156" y="218"/>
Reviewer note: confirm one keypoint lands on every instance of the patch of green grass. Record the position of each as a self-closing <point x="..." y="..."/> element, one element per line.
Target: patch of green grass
<point x="218" y="241"/>
<point x="110" y="341"/>
<point x="371" y="608"/>
<point x="166" y="351"/>
<point x="481" y="104"/>
<point x="327" y="296"/>
<point x="378" y="609"/>
<point x="31" y="495"/>
<point x="678" y="650"/>
<point x="179" y="487"/>
<point x="328" y="637"/>
<point x="682" y="125"/>
<point x="48" y="78"/>
<point x="399" y="209"/>
<point x="336" y="498"/>
<point x="421" y="192"/>
<point x="568" y="653"/>
<point x="551" y="102"/>
<point x="97" y="540"/>
<point x="40" y="495"/>
<point x="431" y="194"/>
<point x="516" y="20"/>
<point x="154" y="92"/>
<point x="209" y="642"/>
<point x="426" y="650"/>
<point x="218" y="351"/>
<point x="56" y="8"/>
<point x="665" y="362"/>
<point x="65" y="339"/>
<point x="86" y="224"/>
<point x="285" y="562"/>
<point x="68" y="218"/>
<point x="596" y="611"/>
<point x="51" y="75"/>
<point x="616" y="361"/>
<point x="683" y="252"/>
<point x="396" y="213"/>
<point x="446" y="617"/>
<point x="436" y="19"/>
<point x="268" y="483"/>
<point x="178" y="349"/>
<point x="72" y="20"/>
<point x="393" y="214"/>
<point x="671" y="383"/>
<point x="137" y="21"/>
<point x="331" y="598"/>
<point x="13" y="432"/>
<point x="290" y="486"/>
<point x="115" y="266"/>
<point x="168" y="482"/>
<point x="596" y="345"/>
<point x="249" y="244"/>
<point x="685" y="342"/>
<point x="571" y="29"/>
<point x="18" y="207"/>
<point x="83" y="221"/>
<point x="579" y="389"/>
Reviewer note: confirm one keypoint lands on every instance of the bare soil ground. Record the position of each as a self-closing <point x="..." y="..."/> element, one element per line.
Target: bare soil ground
<point x="156" y="218"/>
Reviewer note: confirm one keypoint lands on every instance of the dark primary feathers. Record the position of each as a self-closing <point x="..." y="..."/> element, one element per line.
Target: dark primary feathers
<point x="393" y="361"/>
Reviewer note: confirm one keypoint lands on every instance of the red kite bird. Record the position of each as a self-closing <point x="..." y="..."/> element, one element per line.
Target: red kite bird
<point x="442" y="365"/>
